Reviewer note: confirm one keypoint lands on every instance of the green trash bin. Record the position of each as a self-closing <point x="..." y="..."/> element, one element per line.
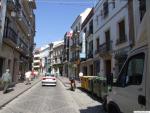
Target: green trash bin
<point x="95" y="85"/>
<point x="100" y="87"/>
<point x="90" y="84"/>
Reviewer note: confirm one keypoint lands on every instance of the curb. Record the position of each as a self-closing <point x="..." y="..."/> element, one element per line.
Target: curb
<point x="1" y="106"/>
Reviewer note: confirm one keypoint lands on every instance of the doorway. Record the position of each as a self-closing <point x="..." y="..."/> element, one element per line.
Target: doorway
<point x="1" y="66"/>
<point x="108" y="67"/>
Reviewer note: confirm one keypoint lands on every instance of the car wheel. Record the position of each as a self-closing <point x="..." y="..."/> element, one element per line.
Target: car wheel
<point x="113" y="109"/>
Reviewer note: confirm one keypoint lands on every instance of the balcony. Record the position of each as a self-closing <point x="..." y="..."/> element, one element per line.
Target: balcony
<point x="75" y="47"/>
<point x="13" y="5"/>
<point x="32" y="3"/>
<point x="22" y="47"/>
<point x="73" y="59"/>
<point x="105" y="48"/>
<point x="23" y="21"/>
<point x="121" y="40"/>
<point x="96" y="51"/>
<point x="105" y="9"/>
<point x="10" y="36"/>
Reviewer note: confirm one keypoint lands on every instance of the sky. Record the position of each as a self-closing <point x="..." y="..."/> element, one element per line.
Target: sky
<point x="55" y="17"/>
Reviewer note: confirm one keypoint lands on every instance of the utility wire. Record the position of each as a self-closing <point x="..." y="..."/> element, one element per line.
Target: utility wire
<point x="64" y="2"/>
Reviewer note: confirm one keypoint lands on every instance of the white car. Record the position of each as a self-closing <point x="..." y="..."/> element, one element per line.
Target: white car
<point x="49" y="80"/>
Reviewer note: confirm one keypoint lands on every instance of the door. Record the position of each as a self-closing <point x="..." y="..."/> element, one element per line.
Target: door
<point x="108" y="67"/>
<point x="91" y="70"/>
<point x="1" y="67"/>
<point x="131" y="85"/>
<point x="107" y="35"/>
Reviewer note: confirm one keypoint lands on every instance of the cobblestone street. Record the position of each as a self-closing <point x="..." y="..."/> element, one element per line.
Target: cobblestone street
<point x="53" y="100"/>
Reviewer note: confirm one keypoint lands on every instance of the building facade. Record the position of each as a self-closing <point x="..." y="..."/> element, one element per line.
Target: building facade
<point x="18" y="37"/>
<point x="111" y="35"/>
<point x="87" y="66"/>
<point x="36" y="65"/>
<point x="67" y="37"/>
<point x="56" y="57"/>
<point x="44" y="54"/>
<point x="75" y="44"/>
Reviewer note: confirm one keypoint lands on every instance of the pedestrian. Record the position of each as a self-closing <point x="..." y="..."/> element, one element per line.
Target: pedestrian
<point x="28" y="77"/>
<point x="72" y="82"/>
<point x="6" y="78"/>
<point x="33" y="74"/>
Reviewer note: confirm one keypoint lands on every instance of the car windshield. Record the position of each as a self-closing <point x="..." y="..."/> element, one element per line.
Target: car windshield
<point x="48" y="74"/>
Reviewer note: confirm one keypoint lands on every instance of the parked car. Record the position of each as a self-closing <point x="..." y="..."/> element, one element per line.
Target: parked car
<point x="131" y="92"/>
<point x="49" y="80"/>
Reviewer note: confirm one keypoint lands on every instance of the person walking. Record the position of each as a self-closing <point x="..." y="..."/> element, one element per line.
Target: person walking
<point x="6" y="78"/>
<point x="28" y="77"/>
<point x="72" y="82"/>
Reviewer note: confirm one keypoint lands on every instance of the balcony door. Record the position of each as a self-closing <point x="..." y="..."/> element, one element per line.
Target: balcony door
<point x="108" y="67"/>
<point x="107" y="36"/>
<point x="1" y="66"/>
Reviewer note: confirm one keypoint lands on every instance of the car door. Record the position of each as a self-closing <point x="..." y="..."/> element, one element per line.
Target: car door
<point x="131" y="84"/>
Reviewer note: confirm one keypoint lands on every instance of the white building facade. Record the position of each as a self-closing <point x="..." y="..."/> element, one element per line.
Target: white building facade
<point x="44" y="54"/>
<point x="86" y="65"/>
<point x="111" y="33"/>
<point x="75" y="44"/>
<point x="36" y="65"/>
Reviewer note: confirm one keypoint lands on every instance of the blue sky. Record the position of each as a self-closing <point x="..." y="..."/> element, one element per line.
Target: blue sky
<point x="54" y="19"/>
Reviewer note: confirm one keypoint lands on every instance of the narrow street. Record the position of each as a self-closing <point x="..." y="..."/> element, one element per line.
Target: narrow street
<point x="52" y="100"/>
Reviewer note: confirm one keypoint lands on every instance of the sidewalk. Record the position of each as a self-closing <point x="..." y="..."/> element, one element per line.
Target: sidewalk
<point x="15" y="92"/>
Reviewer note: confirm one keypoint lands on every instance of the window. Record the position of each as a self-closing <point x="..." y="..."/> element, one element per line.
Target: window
<point x="85" y="30"/>
<point x="55" y="60"/>
<point x="132" y="73"/>
<point x="142" y="8"/>
<point x="105" y="8"/>
<point x="1" y="66"/>
<point x="9" y="64"/>
<point x="97" y="43"/>
<point x="91" y="27"/>
<point x="91" y="46"/>
<point x="113" y="3"/>
<point x="122" y="36"/>
<point x="107" y="36"/>
<point x="96" y="19"/>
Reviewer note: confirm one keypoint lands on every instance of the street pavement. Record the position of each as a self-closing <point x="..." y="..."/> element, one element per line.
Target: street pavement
<point x="16" y="91"/>
<point x="85" y="101"/>
<point x="57" y="99"/>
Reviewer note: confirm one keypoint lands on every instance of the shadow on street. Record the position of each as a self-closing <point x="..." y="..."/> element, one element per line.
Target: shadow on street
<point x="94" y="109"/>
<point x="93" y="96"/>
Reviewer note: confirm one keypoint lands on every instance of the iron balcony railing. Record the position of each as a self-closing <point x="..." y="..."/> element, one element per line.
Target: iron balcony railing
<point x="122" y="39"/>
<point x="97" y="51"/>
<point x="75" y="47"/>
<point x="9" y="33"/>
<point x="22" y="17"/>
<point x="90" y="55"/>
<point x="13" y="5"/>
<point x="105" y="47"/>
